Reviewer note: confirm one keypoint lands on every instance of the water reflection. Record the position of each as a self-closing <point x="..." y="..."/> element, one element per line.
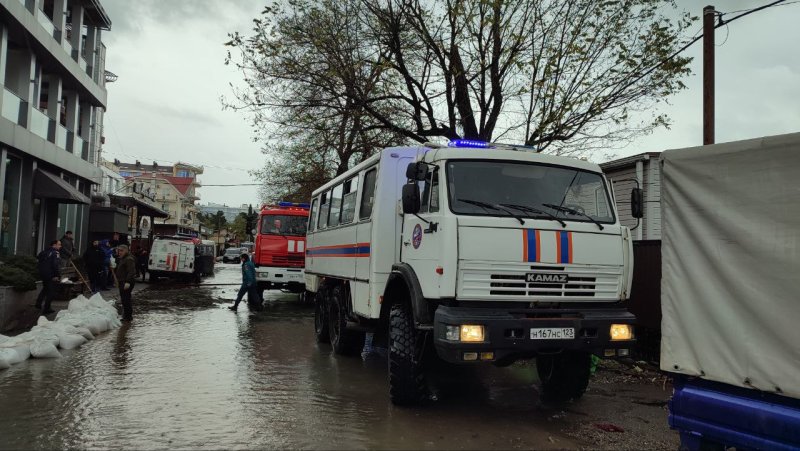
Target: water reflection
<point x="211" y="378"/>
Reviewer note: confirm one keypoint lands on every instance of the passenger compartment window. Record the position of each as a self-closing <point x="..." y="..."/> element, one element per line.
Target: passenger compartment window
<point x="312" y="218"/>
<point x="368" y="194"/>
<point x="336" y="206"/>
<point x="323" y="210"/>
<point x="349" y="200"/>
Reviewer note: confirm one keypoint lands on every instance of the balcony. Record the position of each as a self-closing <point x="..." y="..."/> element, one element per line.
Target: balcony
<point x="61" y="136"/>
<point x="45" y="22"/>
<point x="12" y="106"/>
<point x="40" y="122"/>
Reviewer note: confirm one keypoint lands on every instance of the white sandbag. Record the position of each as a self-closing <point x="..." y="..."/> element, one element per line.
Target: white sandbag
<point x="97" y="301"/>
<point x="95" y="324"/>
<point x="79" y="304"/>
<point x="43" y="349"/>
<point x="4" y="338"/>
<point x="43" y="334"/>
<point x="85" y="333"/>
<point x="6" y="355"/>
<point x="70" y="341"/>
<point x="23" y="350"/>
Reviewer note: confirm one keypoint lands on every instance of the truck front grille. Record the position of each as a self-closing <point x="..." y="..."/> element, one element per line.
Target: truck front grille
<point x="508" y="280"/>
<point x="297" y="260"/>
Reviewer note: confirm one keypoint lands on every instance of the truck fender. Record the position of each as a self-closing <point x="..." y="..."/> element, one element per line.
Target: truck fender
<point x="403" y="277"/>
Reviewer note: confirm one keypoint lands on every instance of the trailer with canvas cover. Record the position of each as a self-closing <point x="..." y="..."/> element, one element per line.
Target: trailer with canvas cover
<point x="729" y="294"/>
<point x="473" y="253"/>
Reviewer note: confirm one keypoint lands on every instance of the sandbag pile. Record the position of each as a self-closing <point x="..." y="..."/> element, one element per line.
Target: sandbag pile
<point x="81" y="322"/>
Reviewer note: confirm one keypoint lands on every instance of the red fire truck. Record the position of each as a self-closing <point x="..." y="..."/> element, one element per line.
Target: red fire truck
<point x="280" y="246"/>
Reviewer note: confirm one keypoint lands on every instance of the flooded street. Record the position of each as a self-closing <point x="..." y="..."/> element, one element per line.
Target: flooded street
<point x="189" y="373"/>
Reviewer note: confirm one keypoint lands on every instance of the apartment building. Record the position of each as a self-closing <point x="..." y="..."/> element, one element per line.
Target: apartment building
<point x="172" y="189"/>
<point x="230" y="212"/>
<point x="52" y="72"/>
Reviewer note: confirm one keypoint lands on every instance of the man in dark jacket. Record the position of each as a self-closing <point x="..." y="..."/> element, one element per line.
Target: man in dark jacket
<point x="249" y="285"/>
<point x="126" y="277"/>
<point x="49" y="272"/>
<point x="93" y="258"/>
<point x="67" y="248"/>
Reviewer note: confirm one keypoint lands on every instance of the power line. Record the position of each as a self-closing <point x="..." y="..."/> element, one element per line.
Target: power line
<point x="752" y="9"/>
<point x="689" y="44"/>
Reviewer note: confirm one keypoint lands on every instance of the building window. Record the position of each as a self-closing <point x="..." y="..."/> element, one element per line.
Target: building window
<point x="8" y="227"/>
<point x="184" y="173"/>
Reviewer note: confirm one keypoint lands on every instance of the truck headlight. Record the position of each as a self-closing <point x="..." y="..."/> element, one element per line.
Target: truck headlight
<point x="621" y="332"/>
<point x="472" y="333"/>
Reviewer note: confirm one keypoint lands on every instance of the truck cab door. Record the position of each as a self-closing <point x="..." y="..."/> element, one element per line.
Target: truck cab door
<point x="423" y="240"/>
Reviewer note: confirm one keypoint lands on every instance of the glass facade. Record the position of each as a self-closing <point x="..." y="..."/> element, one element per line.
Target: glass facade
<point x="8" y="224"/>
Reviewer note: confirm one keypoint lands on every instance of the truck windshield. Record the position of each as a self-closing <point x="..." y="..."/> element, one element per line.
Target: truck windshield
<point x="536" y="186"/>
<point x="284" y="225"/>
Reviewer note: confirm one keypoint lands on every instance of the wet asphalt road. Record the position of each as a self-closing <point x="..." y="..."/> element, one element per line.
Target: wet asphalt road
<point x="189" y="373"/>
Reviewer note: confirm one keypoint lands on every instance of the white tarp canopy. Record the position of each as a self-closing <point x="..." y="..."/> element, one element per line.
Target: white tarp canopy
<point x="730" y="290"/>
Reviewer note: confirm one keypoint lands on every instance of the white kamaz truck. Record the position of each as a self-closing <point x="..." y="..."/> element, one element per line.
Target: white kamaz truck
<point x="474" y="253"/>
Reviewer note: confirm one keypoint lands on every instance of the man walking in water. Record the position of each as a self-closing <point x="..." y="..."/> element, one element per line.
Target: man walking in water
<point x="126" y="277"/>
<point x="249" y="285"/>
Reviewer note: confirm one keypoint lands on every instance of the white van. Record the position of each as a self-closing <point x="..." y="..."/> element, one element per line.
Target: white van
<point x="173" y="257"/>
<point x="474" y="255"/>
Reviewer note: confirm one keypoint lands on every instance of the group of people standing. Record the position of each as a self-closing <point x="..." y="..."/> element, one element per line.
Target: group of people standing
<point x="97" y="258"/>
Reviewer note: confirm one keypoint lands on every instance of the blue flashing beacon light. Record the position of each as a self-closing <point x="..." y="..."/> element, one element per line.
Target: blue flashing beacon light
<point x="468" y="143"/>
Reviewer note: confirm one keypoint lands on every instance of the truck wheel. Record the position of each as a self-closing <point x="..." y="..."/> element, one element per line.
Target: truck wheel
<point x="564" y="376"/>
<point x="344" y="342"/>
<point x="406" y="378"/>
<point x="320" y="319"/>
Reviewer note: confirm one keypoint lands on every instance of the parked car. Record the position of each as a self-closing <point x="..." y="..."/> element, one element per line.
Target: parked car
<point x="232" y="255"/>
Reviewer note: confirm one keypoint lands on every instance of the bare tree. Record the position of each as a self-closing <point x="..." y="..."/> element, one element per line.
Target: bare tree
<point x="302" y="66"/>
<point x="342" y="78"/>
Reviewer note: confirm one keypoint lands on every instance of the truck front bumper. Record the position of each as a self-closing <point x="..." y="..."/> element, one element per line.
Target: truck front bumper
<point x="508" y="336"/>
<point x="280" y="276"/>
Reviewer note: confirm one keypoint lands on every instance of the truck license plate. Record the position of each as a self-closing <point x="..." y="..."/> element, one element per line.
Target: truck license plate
<point x="553" y="333"/>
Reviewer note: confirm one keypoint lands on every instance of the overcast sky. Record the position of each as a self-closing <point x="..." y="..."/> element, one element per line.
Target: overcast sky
<point x="169" y="56"/>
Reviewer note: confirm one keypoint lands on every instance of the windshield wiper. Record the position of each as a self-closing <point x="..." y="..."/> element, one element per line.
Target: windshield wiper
<point x="536" y="211"/>
<point x="493" y="207"/>
<point x="573" y="211"/>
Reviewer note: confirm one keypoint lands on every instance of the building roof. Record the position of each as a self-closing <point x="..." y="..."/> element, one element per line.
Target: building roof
<point x="182" y="184"/>
<point x="629" y="161"/>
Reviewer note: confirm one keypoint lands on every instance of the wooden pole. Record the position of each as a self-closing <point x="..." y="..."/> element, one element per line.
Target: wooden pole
<point x="709" y="14"/>
<point x="89" y="287"/>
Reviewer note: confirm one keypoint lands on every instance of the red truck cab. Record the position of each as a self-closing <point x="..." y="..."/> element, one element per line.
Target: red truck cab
<point x="280" y="245"/>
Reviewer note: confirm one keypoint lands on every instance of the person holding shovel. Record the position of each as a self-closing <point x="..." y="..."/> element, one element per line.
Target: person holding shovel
<point x="126" y="278"/>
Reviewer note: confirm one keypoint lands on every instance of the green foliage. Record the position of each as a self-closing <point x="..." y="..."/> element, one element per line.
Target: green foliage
<point x="239" y="226"/>
<point x="27" y="264"/>
<point x="215" y="222"/>
<point x="17" y="278"/>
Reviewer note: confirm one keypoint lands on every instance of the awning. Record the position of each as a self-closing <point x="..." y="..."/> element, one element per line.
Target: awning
<point x="144" y="208"/>
<point x="51" y="186"/>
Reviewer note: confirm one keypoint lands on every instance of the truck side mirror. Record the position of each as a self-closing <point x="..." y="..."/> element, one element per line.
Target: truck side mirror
<point x="637" y="203"/>
<point x="417" y="171"/>
<point x="411" y="202"/>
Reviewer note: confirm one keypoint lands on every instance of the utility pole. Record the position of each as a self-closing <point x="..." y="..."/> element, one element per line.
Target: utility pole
<point x="709" y="14"/>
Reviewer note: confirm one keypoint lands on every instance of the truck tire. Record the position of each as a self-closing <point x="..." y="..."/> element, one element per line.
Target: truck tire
<point x="344" y="341"/>
<point x="320" y="319"/>
<point x="406" y="376"/>
<point x="564" y="376"/>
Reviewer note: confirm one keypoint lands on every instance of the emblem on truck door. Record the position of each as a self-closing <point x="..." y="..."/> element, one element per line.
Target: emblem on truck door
<point x="533" y="277"/>
<point x="416" y="236"/>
